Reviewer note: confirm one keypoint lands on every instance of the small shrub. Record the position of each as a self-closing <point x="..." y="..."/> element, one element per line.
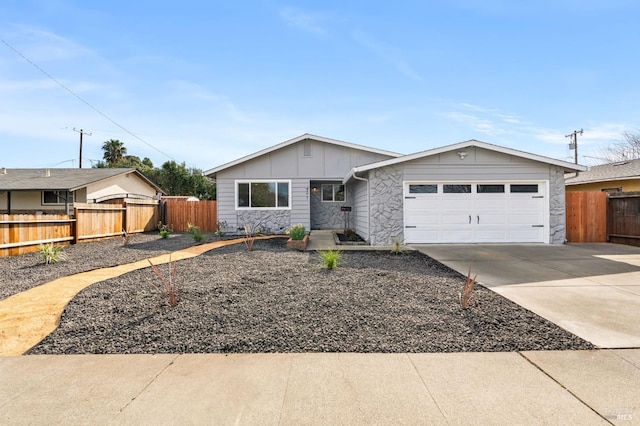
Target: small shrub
<point x="51" y="254"/>
<point x="195" y="232"/>
<point x="249" y="237"/>
<point x="296" y="232"/>
<point x="168" y="283"/>
<point x="163" y="230"/>
<point x="467" y="290"/>
<point x="330" y="258"/>
<point x="126" y="238"/>
<point x="221" y="227"/>
<point x="396" y="248"/>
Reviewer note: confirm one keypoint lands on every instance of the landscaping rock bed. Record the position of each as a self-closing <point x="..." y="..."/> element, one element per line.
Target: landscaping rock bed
<point x="276" y="300"/>
<point x="20" y="273"/>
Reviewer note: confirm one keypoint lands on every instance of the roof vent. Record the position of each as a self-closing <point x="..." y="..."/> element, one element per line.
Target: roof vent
<point x="4" y="170"/>
<point x="47" y="173"/>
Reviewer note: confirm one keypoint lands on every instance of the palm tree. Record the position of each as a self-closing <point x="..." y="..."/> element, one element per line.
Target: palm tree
<point x="114" y="152"/>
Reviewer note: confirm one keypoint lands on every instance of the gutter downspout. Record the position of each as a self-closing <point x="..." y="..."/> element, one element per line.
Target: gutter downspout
<point x="355" y="176"/>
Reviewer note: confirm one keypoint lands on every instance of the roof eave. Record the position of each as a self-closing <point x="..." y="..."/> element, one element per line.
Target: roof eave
<point x="584" y="182"/>
<point x="570" y="167"/>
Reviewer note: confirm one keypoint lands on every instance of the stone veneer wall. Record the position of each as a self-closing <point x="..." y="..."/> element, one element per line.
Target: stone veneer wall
<point x="386" y="217"/>
<point x="327" y="215"/>
<point x="270" y="221"/>
<point x="557" y="210"/>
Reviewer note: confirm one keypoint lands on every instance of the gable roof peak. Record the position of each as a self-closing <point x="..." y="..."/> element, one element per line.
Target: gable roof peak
<point x="303" y="137"/>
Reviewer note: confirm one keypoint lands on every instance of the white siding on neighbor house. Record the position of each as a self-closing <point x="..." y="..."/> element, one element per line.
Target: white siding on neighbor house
<point x="123" y="184"/>
<point x="360" y="203"/>
<point x="29" y="201"/>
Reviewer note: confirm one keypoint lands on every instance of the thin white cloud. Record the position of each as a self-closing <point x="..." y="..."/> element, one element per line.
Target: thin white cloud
<point x="305" y="21"/>
<point x="387" y="53"/>
<point x="43" y="46"/>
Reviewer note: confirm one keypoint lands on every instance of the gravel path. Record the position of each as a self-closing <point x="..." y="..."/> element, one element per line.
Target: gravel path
<point x="276" y="300"/>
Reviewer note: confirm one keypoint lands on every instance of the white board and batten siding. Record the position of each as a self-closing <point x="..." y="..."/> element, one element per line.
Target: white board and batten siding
<point x="490" y="198"/>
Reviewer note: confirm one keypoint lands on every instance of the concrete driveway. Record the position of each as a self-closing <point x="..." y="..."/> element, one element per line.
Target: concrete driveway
<point x="591" y="290"/>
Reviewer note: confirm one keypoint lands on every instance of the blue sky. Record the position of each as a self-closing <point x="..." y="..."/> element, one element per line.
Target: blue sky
<point x="206" y="82"/>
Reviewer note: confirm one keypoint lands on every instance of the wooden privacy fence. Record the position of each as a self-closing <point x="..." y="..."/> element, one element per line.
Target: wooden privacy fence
<point x="623" y="218"/>
<point x="23" y="233"/>
<point x="179" y="213"/>
<point x="586" y="214"/>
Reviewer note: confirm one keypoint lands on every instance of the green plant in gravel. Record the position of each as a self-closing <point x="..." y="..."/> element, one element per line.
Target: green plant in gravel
<point x="51" y="254"/>
<point x="396" y="248"/>
<point x="296" y="232"/>
<point x="168" y="283"/>
<point x="163" y="230"/>
<point x="330" y="258"/>
<point x="467" y="290"/>
<point x="195" y="232"/>
<point x="221" y="227"/>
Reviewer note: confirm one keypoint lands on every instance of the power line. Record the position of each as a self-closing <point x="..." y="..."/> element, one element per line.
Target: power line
<point x="84" y="101"/>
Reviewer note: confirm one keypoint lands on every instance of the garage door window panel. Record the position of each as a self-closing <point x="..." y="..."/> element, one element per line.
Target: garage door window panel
<point x="423" y="189"/>
<point x="456" y="189"/>
<point x="490" y="189"/>
<point x="524" y="188"/>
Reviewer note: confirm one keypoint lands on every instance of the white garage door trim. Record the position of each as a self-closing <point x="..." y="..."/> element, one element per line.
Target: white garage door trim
<point x="476" y="211"/>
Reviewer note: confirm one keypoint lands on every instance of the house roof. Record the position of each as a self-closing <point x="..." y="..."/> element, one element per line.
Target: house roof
<point x="622" y="170"/>
<point x="571" y="167"/>
<point x="296" y="140"/>
<point x="60" y="179"/>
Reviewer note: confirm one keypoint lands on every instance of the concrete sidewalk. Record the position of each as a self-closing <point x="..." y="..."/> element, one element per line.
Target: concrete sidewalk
<point x="573" y="387"/>
<point x="591" y="290"/>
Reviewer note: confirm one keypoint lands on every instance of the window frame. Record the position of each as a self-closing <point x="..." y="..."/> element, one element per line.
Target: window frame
<point x="333" y="192"/>
<point x="60" y="194"/>
<point x="251" y="181"/>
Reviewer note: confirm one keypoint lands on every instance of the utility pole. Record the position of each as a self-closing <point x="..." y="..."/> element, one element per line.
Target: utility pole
<point x="574" y="141"/>
<point x="81" y="133"/>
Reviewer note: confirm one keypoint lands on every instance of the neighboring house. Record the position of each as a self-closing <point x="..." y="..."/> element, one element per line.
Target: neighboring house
<point x="467" y="192"/>
<point x="622" y="176"/>
<point x="55" y="190"/>
<point x="180" y="198"/>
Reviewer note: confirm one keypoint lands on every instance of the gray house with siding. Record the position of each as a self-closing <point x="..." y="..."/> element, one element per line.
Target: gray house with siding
<point x="470" y="192"/>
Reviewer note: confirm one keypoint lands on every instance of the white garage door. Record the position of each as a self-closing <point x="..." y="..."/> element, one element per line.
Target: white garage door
<point x="476" y="212"/>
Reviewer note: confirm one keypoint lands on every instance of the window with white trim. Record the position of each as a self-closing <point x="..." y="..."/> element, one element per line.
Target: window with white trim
<point x="263" y="194"/>
<point x="57" y="197"/>
<point x="333" y="192"/>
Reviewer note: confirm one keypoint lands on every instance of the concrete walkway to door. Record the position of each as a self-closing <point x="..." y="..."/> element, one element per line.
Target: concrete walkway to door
<point x="591" y="290"/>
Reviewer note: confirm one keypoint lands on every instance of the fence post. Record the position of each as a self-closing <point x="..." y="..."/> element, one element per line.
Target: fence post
<point x="125" y="216"/>
<point x="74" y="226"/>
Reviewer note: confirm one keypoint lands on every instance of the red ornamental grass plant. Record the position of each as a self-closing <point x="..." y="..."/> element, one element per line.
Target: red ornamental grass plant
<point x="249" y="237"/>
<point x="168" y="283"/>
<point x="467" y="290"/>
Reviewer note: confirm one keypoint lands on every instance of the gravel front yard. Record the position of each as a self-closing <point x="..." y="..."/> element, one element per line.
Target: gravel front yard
<point x="275" y="300"/>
